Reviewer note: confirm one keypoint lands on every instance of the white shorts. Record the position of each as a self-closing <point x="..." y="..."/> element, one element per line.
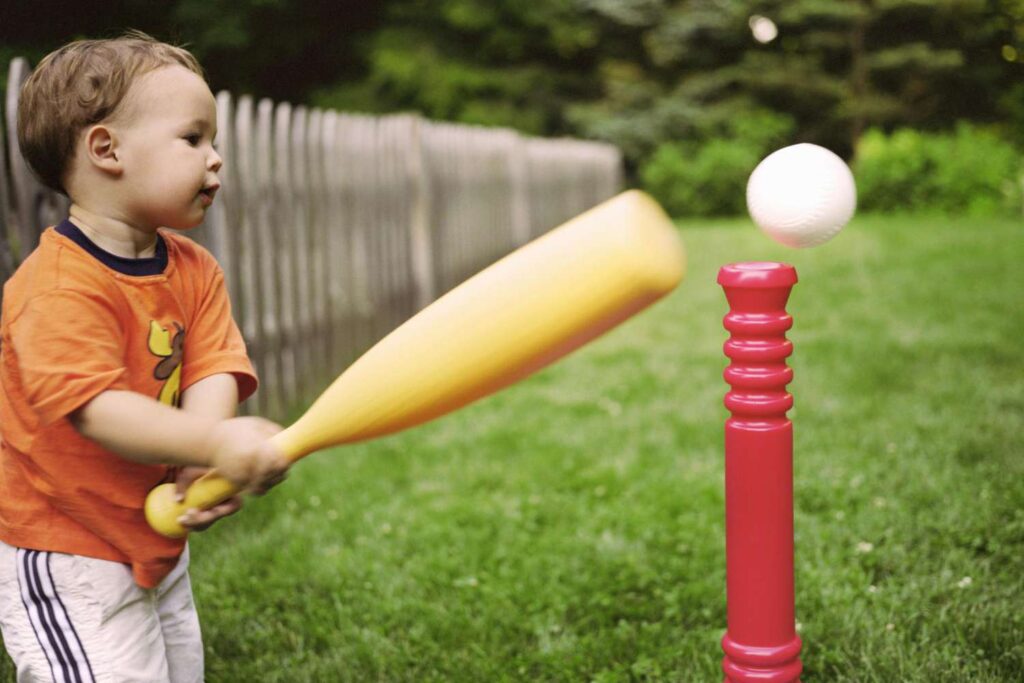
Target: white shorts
<point x="73" y="619"/>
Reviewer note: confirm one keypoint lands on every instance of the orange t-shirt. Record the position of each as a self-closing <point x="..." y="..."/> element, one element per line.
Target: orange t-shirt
<point x="76" y="322"/>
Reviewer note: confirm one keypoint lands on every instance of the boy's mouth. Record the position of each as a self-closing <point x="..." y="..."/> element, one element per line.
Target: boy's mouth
<point x="207" y="194"/>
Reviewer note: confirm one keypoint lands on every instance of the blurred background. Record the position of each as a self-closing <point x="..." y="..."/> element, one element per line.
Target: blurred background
<point x="926" y="98"/>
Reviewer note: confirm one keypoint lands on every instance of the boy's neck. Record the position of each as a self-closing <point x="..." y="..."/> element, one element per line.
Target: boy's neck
<point x="113" y="235"/>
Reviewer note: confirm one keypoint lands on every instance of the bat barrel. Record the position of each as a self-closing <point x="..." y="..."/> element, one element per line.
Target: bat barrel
<point x="515" y="317"/>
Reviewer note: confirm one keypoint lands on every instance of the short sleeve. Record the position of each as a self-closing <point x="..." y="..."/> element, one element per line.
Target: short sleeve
<point x="70" y="348"/>
<point x="214" y="345"/>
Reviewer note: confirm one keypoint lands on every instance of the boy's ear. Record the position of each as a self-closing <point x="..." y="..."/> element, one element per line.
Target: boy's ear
<point x="101" y="148"/>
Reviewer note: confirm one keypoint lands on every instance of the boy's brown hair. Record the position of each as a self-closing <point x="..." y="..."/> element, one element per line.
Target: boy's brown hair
<point x="79" y="85"/>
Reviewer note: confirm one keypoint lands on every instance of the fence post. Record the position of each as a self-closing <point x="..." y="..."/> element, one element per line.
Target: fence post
<point x="284" y="232"/>
<point x="35" y="206"/>
<point x="419" y="226"/>
<point x="247" y="256"/>
<point x="520" y="190"/>
<point x="7" y="260"/>
<point x="337" y="271"/>
<point x="215" y="227"/>
<point x="316" y="264"/>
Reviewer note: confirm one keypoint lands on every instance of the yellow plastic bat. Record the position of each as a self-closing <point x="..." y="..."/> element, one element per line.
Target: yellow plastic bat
<point x="513" y="318"/>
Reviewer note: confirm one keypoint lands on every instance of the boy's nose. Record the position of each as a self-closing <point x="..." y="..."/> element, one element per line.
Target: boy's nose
<point x="214" y="162"/>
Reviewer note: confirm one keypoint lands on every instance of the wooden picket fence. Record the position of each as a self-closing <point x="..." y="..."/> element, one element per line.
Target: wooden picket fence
<point x="333" y="228"/>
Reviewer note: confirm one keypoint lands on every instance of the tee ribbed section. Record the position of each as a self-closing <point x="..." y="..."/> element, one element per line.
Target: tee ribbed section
<point x="757" y="321"/>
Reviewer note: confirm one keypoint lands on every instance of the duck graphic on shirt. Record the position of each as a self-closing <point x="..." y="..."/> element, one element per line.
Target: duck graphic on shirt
<point x="171" y="350"/>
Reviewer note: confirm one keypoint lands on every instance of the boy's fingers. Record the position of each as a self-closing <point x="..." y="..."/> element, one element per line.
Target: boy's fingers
<point x="275" y="461"/>
<point x="181" y="484"/>
<point x="199" y="520"/>
<point x="269" y="483"/>
<point x="228" y="507"/>
<point x="184" y="480"/>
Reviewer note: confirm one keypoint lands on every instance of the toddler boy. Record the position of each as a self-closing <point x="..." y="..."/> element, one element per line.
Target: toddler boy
<point x="120" y="368"/>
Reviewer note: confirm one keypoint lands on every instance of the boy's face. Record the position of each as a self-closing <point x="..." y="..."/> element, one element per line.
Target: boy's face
<point x="165" y="144"/>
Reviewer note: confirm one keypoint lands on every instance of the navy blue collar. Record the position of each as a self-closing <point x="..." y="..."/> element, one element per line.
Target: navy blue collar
<point x="153" y="265"/>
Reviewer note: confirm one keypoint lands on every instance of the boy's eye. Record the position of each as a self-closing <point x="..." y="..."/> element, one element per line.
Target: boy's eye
<point x="193" y="139"/>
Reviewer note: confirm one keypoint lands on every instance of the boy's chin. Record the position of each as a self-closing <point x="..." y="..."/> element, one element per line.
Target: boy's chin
<point x="185" y="222"/>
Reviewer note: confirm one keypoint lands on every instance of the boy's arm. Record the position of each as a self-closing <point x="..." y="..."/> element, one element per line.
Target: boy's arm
<point x="215" y="396"/>
<point x="144" y="430"/>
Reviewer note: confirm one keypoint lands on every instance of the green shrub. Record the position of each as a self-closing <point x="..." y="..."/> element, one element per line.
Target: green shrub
<point x="968" y="171"/>
<point x="709" y="178"/>
<point x="700" y="180"/>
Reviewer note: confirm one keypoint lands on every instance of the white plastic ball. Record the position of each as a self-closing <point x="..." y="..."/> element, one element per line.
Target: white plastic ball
<point x="763" y="28"/>
<point x="802" y="195"/>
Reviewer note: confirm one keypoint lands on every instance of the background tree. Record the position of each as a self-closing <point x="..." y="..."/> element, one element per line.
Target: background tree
<point x="276" y="48"/>
<point x="835" y="67"/>
<point x="516" y="63"/>
<point x="688" y="89"/>
<point x="636" y="72"/>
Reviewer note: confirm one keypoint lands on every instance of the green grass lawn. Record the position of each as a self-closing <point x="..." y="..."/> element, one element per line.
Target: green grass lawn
<point x="571" y="528"/>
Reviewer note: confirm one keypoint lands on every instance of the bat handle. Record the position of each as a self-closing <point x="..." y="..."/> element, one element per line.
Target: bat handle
<point x="163" y="510"/>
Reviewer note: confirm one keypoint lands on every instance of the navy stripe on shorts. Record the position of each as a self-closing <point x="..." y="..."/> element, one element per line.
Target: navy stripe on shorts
<point x="50" y="620"/>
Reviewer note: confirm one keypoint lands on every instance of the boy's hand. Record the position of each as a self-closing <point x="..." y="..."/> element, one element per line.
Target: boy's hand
<point x="200" y="520"/>
<point x="242" y="453"/>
